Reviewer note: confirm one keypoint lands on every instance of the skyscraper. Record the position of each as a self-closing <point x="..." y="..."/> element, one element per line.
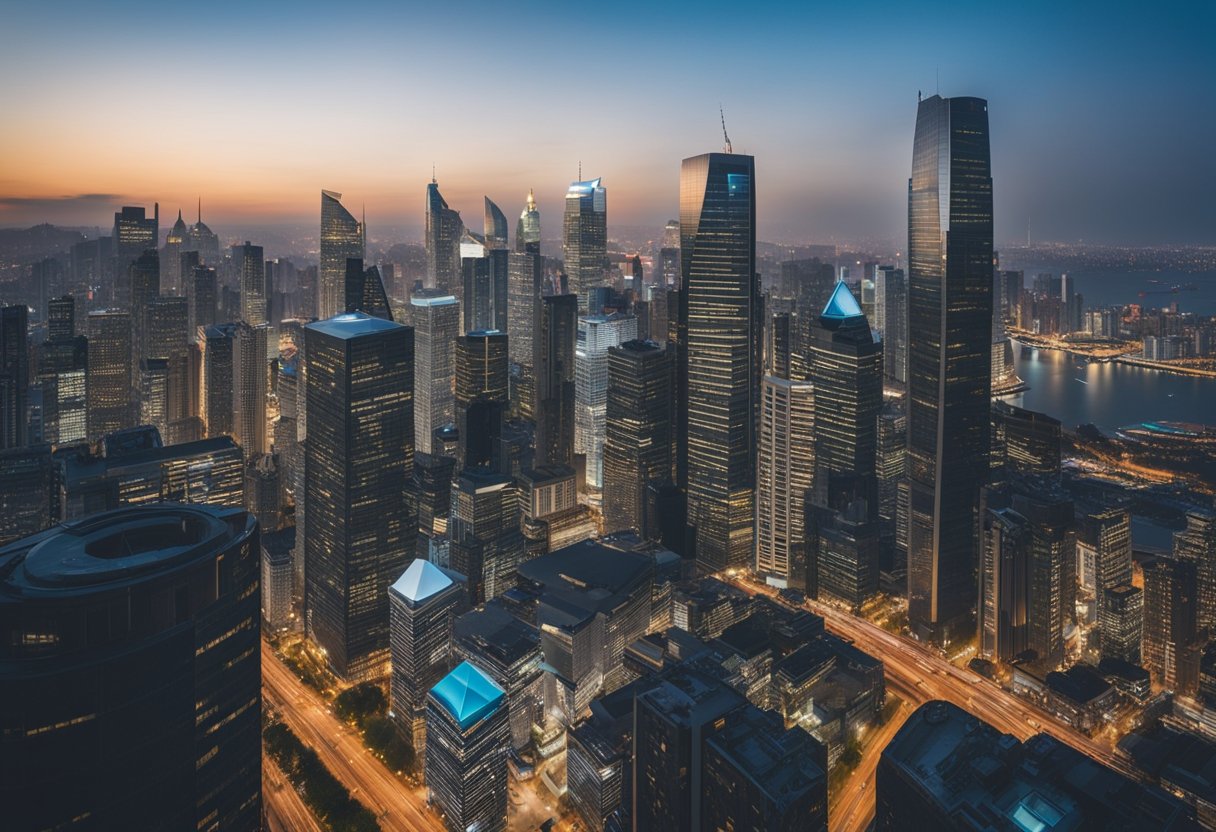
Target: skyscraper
<point x="1004" y="585"/>
<point x="14" y="375"/>
<point x="585" y="238"/>
<point x="468" y="737"/>
<point x="596" y="335"/>
<point x="486" y="542"/>
<point x="1169" y="616"/>
<point x="341" y="239"/>
<point x="110" y="391"/>
<point x="527" y="230"/>
<point x="253" y="285"/>
<point x="891" y="313"/>
<point x="846" y="369"/>
<point x="785" y="466"/>
<point x="719" y="366"/>
<point x="1197" y="544"/>
<point x="637" y="435"/>
<point x="443" y="232"/>
<point x="143" y="288"/>
<point x="201" y="297"/>
<point x="423" y="603"/>
<point x="481" y="395"/>
<point x="62" y="377"/>
<point x="179" y="682"/>
<point x="250" y="373"/>
<point x="360" y="452"/>
<point x="949" y="367"/>
<point x="134" y="233"/>
<point x="495" y="227"/>
<point x="219" y="378"/>
<point x="436" y="319"/>
<point x="363" y="290"/>
<point x="554" y="368"/>
<point x="525" y="275"/>
<point x="171" y="256"/>
<point x="484" y="279"/>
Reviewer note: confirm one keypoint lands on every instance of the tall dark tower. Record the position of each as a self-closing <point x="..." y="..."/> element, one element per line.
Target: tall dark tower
<point x="553" y="351"/>
<point x="14" y="375"/>
<point x="719" y="365"/>
<point x="949" y="367"/>
<point x="482" y="382"/>
<point x="360" y="453"/>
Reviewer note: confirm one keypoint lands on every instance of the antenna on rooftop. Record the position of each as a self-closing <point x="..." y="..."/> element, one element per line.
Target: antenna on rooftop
<point x="722" y="116"/>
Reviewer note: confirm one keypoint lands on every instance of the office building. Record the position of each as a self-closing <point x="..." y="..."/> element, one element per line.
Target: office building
<point x="554" y="370"/>
<point x="27" y="496"/>
<point x="637" y="433"/>
<point x="596" y="335"/>
<point x="784" y="468"/>
<point x="423" y="603"/>
<point x="62" y="377"/>
<point x="179" y="681"/>
<point x="250" y="376"/>
<point x="358" y="535"/>
<point x="1170" y="587"/>
<point x="436" y="319"/>
<point x="891" y="464"/>
<point x="527" y="230"/>
<point x="219" y="379"/>
<point x="1024" y="442"/>
<point x="507" y="650"/>
<point x="526" y="274"/>
<point x="1197" y="544"/>
<point x="891" y="321"/>
<point x="468" y="738"/>
<point x="443" y="232"/>
<point x="363" y="290"/>
<point x="278" y="578"/>
<point x="14" y="376"/>
<point x="341" y="240"/>
<point x="134" y="233"/>
<point x="1107" y="533"/>
<point x="486" y="544"/>
<point x="718" y="354"/>
<point x="843" y="558"/>
<point x="495" y="226"/>
<point x="201" y="298"/>
<point x="1004" y="585"/>
<point x="585" y="238"/>
<point x="253" y="284"/>
<point x="482" y="395"/>
<point x="137" y="468"/>
<point x="949" y="350"/>
<point x="110" y="389"/>
<point x="946" y="769"/>
<point x="1121" y="623"/>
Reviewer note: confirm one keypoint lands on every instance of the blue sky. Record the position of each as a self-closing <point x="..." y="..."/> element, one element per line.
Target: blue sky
<point x="1103" y="118"/>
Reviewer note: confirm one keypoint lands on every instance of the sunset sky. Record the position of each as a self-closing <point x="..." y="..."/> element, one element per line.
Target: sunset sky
<point x="1103" y="123"/>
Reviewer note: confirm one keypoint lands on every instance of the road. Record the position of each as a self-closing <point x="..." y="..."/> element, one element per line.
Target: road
<point x="918" y="675"/>
<point x="397" y="805"/>
<point x="285" y="809"/>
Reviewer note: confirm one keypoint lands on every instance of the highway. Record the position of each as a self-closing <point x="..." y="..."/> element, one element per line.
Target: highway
<point x="396" y="804"/>
<point x="918" y="675"/>
<point x="285" y="809"/>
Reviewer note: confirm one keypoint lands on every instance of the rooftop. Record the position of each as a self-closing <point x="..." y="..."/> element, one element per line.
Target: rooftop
<point x="586" y="577"/>
<point x="421" y="580"/>
<point x="468" y="694"/>
<point x="497" y="633"/>
<point x="842" y="305"/>
<point x="438" y="300"/>
<point x="352" y="325"/>
<point x="583" y="188"/>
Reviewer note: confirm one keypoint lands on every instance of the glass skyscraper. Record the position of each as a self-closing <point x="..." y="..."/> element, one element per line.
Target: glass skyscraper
<point x="585" y="238"/>
<point x="949" y="368"/>
<point x="527" y="230"/>
<point x="436" y="319"/>
<point x="443" y="232"/>
<point x="495" y="227"/>
<point x="360" y="453"/>
<point x="719" y="372"/>
<point x="341" y="239"/>
<point x="596" y="334"/>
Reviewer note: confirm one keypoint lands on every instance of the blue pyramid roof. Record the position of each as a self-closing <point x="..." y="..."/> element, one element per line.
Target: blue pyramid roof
<point x="468" y="694"/>
<point x="421" y="580"/>
<point x="842" y="305"/>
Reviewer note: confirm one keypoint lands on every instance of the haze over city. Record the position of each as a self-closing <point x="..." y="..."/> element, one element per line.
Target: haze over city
<point x="1096" y="135"/>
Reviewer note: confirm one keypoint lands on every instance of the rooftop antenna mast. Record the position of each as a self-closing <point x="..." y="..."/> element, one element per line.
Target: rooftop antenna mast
<point x="433" y="180"/>
<point x="722" y="116"/>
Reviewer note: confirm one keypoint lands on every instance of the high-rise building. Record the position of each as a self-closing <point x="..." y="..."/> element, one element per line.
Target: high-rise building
<point x="553" y="352"/>
<point x="486" y="543"/>
<point x="143" y="289"/>
<point x="585" y="238"/>
<point x="484" y="279"/>
<point x="1169" y="617"/>
<point x="719" y="355"/>
<point x="110" y="389"/>
<point x="482" y="395"/>
<point x="495" y="227"/>
<point x="1121" y="622"/>
<point x="777" y="345"/>
<point x="891" y="321"/>
<point x="253" y="285"/>
<point x="929" y="777"/>
<point x="179" y="681"/>
<point x="423" y="603"/>
<point x="171" y="257"/>
<point x="27" y="480"/>
<point x="891" y="464"/>
<point x="467" y="740"/>
<point x="784" y="467"/>
<point x="1197" y="544"/>
<point x="596" y="335"/>
<point x="134" y="234"/>
<point x="360" y="452"/>
<point x="949" y="367"/>
<point x="436" y="320"/>
<point x="219" y="379"/>
<point x="846" y="369"/>
<point x="637" y="434"/>
<point x="527" y="230"/>
<point x="341" y="239"/>
<point x="1107" y="533"/>
<point x="526" y="274"/>
<point x="1024" y="442"/>
<point x="14" y="375"/>
<point x="363" y="290"/>
<point x="1004" y="585"/>
<point x="250" y="376"/>
<point x="202" y="298"/>
<point x="62" y="375"/>
<point x="1051" y="593"/>
<point x="443" y="232"/>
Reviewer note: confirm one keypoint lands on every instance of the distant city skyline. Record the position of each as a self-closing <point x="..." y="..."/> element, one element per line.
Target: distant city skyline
<point x="1087" y="113"/>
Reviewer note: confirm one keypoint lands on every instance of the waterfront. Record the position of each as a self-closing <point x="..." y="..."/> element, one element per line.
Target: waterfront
<point x="1117" y="288"/>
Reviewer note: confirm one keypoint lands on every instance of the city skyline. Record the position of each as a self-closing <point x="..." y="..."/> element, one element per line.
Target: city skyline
<point x="831" y="120"/>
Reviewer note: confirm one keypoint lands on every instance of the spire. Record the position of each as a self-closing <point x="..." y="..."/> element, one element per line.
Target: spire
<point x="580" y="170"/>
<point x="532" y="200"/>
<point x="722" y="116"/>
<point x="179" y="215"/>
<point x="842" y="305"/>
<point x="434" y="181"/>
<point x="200" y="210"/>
